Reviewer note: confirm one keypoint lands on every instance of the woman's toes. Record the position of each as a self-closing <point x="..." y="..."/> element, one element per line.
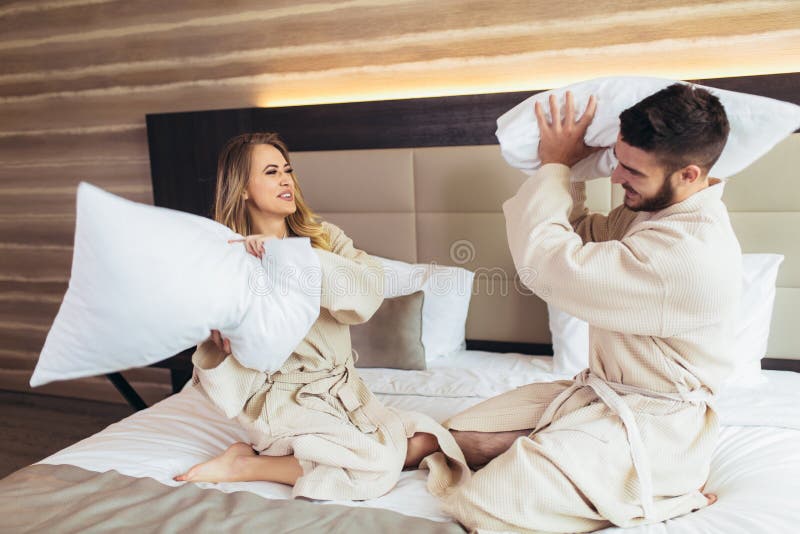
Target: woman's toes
<point x="223" y="468"/>
<point x="188" y="475"/>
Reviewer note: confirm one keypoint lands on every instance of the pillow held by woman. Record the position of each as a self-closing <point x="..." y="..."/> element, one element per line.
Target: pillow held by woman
<point x="148" y="282"/>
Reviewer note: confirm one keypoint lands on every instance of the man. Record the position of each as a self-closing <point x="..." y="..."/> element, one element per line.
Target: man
<point x="629" y="440"/>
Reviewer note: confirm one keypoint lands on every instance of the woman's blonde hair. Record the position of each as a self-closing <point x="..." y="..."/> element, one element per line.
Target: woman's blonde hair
<point x="233" y="174"/>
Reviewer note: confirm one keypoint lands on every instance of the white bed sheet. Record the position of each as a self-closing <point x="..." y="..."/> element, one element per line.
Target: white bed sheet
<point x="755" y="469"/>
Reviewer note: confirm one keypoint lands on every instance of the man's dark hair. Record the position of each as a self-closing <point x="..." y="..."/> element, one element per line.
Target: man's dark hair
<point x="681" y="125"/>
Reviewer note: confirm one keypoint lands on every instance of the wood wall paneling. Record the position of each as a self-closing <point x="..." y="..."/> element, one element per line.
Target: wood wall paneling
<point x="78" y="77"/>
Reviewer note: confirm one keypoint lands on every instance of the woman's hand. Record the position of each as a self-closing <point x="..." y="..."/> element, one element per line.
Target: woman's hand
<point x="222" y="344"/>
<point x="254" y="244"/>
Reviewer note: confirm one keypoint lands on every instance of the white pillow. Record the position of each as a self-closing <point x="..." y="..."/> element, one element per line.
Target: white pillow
<point x="759" y="271"/>
<point x="444" y="311"/>
<point x="570" y="335"/>
<point x="757" y="124"/>
<point x="148" y="282"/>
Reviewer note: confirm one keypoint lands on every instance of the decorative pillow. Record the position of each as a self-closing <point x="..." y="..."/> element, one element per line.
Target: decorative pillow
<point x="392" y="338"/>
<point x="571" y="335"/>
<point x="447" y="294"/>
<point x="757" y="124"/>
<point x="148" y="282"/>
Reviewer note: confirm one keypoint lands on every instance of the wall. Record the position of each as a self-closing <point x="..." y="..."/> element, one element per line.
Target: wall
<point x="78" y="76"/>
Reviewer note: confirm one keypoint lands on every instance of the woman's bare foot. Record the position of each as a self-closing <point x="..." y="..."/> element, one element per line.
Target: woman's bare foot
<point x="712" y="498"/>
<point x="226" y="467"/>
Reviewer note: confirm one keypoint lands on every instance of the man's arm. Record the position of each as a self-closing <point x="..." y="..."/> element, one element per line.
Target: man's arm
<point x="614" y="285"/>
<point x="596" y="282"/>
<point x="595" y="227"/>
<point x="651" y="282"/>
<point x="562" y="142"/>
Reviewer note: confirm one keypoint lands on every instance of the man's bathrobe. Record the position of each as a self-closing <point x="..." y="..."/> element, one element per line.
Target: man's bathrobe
<point x="316" y="407"/>
<point x="629" y="440"/>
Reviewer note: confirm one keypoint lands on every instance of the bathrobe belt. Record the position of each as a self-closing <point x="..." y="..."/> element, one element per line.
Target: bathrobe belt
<point x="609" y="393"/>
<point x="339" y="384"/>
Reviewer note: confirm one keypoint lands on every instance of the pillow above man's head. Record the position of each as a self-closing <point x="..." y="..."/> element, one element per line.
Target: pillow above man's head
<point x="756" y="124"/>
<point x="148" y="282"/>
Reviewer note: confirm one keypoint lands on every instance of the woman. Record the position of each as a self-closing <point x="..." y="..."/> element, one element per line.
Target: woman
<point x="313" y="424"/>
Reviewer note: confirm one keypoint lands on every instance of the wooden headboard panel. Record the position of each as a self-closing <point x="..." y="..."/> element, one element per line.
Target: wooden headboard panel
<point x="428" y="175"/>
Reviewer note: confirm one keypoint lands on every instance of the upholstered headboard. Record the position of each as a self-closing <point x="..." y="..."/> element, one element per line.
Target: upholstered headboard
<point x="423" y="180"/>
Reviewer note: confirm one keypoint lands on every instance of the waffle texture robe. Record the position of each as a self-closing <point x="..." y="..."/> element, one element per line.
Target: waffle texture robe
<point x="629" y="440"/>
<point x="316" y="406"/>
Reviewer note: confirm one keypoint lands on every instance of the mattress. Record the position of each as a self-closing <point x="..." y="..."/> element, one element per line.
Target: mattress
<point x="755" y="469"/>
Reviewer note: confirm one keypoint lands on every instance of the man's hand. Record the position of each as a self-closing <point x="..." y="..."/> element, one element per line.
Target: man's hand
<point x="562" y="140"/>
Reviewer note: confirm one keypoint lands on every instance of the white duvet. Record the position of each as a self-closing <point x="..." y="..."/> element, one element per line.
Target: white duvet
<point x="755" y="469"/>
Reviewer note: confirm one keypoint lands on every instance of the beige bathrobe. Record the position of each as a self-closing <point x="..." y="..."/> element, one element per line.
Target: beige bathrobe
<point x="628" y="441"/>
<point x="316" y="406"/>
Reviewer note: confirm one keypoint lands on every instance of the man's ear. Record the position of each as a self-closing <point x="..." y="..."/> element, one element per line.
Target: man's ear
<point x="690" y="174"/>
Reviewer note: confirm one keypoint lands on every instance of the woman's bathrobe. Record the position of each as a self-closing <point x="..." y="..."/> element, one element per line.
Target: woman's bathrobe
<point x="316" y="406"/>
<point x="629" y="440"/>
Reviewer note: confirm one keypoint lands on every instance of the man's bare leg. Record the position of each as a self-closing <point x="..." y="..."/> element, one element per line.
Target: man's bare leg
<point x="240" y="463"/>
<point x="480" y="448"/>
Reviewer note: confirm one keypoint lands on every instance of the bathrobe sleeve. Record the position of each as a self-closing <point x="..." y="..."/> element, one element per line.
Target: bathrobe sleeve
<point x="644" y="284"/>
<point x="596" y="226"/>
<point x="352" y="280"/>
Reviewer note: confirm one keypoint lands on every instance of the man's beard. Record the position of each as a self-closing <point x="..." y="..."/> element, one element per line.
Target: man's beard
<point x="663" y="198"/>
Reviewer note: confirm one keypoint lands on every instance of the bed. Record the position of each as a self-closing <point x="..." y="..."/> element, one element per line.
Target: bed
<point x="432" y="154"/>
<point x="121" y="477"/>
